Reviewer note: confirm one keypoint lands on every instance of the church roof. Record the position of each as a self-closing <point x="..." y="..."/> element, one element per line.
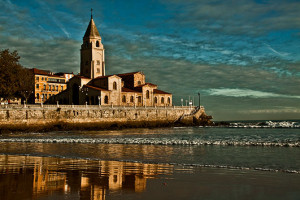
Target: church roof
<point x="149" y="84"/>
<point x="91" y="30"/>
<point x="102" y="77"/>
<point x="156" y="91"/>
<point x="95" y="88"/>
<point x="78" y="76"/>
<point x="129" y="90"/>
<point x="128" y="74"/>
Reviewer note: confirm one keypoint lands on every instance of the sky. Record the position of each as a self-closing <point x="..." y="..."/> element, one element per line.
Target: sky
<point x="242" y="56"/>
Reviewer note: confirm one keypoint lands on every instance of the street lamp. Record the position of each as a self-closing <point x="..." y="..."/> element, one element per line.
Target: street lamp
<point x="199" y="98"/>
<point x="181" y="102"/>
<point x="99" y="100"/>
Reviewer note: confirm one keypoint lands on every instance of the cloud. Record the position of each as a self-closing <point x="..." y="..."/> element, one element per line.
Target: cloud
<point x="247" y="93"/>
<point x="236" y="17"/>
<point x="283" y="54"/>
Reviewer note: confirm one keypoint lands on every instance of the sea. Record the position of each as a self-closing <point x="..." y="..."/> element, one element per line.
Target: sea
<point x="245" y="160"/>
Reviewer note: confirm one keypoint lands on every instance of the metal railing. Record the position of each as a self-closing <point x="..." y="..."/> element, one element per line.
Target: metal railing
<point x="47" y="106"/>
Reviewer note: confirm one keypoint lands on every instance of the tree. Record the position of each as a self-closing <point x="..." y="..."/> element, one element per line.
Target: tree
<point x="15" y="80"/>
<point x="26" y="84"/>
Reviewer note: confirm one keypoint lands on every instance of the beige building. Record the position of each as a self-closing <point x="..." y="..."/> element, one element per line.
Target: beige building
<point x="93" y="87"/>
<point x="47" y="85"/>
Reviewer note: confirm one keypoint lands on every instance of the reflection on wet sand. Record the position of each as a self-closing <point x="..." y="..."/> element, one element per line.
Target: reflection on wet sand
<point x="27" y="177"/>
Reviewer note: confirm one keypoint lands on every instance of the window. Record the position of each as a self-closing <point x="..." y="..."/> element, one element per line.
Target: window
<point x="124" y="99"/>
<point x="61" y="88"/>
<point x="97" y="44"/>
<point x="98" y="70"/>
<point x="139" y="83"/>
<point x="98" y="62"/>
<point x="106" y="99"/>
<point x="50" y="87"/>
<point x="37" y="96"/>
<point x="162" y="100"/>
<point x="37" y="78"/>
<point x="37" y="86"/>
<point x="42" y="78"/>
<point x="44" y="86"/>
<point x="155" y="100"/>
<point x="139" y="99"/>
<point x="169" y="100"/>
<point x="57" y="88"/>
<point x="115" y="85"/>
<point x="131" y="99"/>
<point x="147" y="94"/>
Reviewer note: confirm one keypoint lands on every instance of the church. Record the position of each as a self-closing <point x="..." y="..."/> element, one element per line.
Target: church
<point x="93" y="87"/>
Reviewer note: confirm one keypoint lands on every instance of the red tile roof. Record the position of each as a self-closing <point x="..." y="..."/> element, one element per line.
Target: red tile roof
<point x="78" y="76"/>
<point x="150" y="84"/>
<point x="40" y="72"/>
<point x="95" y="88"/>
<point x="128" y="74"/>
<point x="102" y="77"/>
<point x="156" y="91"/>
<point x="129" y="90"/>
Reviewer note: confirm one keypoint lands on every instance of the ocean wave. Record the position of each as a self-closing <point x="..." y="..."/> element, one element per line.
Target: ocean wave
<point x="155" y="141"/>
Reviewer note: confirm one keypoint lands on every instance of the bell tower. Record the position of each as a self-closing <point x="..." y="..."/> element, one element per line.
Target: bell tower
<point x="92" y="60"/>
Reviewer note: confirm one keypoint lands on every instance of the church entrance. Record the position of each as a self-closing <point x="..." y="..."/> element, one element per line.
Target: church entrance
<point x="75" y="91"/>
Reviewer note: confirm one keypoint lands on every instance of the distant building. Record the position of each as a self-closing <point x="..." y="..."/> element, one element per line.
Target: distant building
<point x="93" y="87"/>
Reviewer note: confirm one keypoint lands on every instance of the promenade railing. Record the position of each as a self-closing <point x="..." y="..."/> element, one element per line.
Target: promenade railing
<point x="104" y="107"/>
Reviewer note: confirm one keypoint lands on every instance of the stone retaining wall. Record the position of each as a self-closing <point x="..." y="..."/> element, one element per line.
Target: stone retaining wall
<point x="93" y="117"/>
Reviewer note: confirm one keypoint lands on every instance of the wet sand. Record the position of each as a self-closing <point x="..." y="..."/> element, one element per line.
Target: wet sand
<point x="29" y="177"/>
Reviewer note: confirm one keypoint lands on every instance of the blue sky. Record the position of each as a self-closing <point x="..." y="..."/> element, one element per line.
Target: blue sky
<point x="242" y="56"/>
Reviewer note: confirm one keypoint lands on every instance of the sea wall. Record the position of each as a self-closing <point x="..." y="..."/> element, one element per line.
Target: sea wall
<point x="34" y="117"/>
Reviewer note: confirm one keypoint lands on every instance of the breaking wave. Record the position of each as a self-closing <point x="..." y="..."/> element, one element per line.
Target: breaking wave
<point x="160" y="141"/>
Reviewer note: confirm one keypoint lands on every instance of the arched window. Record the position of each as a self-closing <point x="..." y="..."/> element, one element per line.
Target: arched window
<point x="124" y="99"/>
<point x="139" y="99"/>
<point x="37" y="96"/>
<point x="97" y="44"/>
<point x="106" y="99"/>
<point x="139" y="83"/>
<point x="162" y="100"/>
<point x="131" y="99"/>
<point x="147" y="94"/>
<point x="115" y="85"/>
<point x="155" y="100"/>
<point x="169" y="100"/>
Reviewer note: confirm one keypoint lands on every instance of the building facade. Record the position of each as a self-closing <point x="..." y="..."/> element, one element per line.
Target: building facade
<point x="93" y="87"/>
<point x="47" y="85"/>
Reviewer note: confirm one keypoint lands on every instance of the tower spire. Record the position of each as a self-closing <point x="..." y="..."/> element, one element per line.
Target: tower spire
<point x="91" y="13"/>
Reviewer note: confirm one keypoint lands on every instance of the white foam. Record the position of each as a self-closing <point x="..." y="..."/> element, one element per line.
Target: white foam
<point x="156" y="141"/>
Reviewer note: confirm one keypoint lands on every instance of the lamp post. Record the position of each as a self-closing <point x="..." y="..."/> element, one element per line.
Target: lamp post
<point x="99" y="100"/>
<point x="199" y="98"/>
